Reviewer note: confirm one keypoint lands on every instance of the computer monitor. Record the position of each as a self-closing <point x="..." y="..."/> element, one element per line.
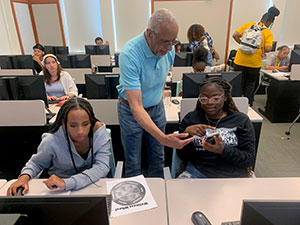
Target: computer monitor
<point x="101" y="86"/>
<point x="269" y="212"/>
<point x="191" y="82"/>
<point x="5" y="62"/>
<point x="117" y="54"/>
<point x="24" y="88"/>
<point x="274" y="44"/>
<point x="183" y="59"/>
<point x="295" y="58"/>
<point x="61" y="50"/>
<point x="105" y="69"/>
<point x="22" y="62"/>
<point x="185" y="47"/>
<point x="80" y="61"/>
<point x="64" y="61"/>
<point x="97" y="49"/>
<point x="56" y="50"/>
<point x="59" y="210"/>
<point x="297" y="47"/>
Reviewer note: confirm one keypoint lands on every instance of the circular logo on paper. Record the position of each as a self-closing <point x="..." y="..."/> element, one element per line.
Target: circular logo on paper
<point x="128" y="193"/>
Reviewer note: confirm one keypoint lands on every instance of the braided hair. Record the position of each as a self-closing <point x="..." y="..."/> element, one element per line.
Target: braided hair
<point x="72" y="104"/>
<point x="222" y="84"/>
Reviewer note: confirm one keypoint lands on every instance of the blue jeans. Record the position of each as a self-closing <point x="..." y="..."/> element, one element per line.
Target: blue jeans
<point x="132" y="135"/>
<point x="191" y="172"/>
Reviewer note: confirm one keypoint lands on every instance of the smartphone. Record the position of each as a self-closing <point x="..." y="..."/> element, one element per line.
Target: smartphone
<point x="210" y="139"/>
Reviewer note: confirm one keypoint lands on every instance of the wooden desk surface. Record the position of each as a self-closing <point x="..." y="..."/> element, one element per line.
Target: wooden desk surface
<point x="157" y="216"/>
<point x="221" y="199"/>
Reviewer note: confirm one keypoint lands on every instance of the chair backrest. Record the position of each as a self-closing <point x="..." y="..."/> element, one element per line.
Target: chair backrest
<point x="100" y="60"/>
<point x="189" y="104"/>
<point x="177" y="72"/>
<point x="22" y="113"/>
<point x="78" y="74"/>
<point x="112" y="163"/>
<point x="14" y="72"/>
<point x="106" y="110"/>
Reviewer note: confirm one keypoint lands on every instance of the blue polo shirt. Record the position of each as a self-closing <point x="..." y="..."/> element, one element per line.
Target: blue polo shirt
<point x="141" y="70"/>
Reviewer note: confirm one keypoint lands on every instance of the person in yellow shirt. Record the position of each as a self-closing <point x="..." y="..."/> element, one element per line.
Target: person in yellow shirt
<point x="250" y="64"/>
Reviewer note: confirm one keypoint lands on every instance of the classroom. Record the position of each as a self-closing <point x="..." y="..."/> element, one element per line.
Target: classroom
<point x="233" y="168"/>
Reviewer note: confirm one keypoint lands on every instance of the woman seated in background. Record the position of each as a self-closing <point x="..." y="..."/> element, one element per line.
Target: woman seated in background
<point x="279" y="61"/>
<point x="58" y="83"/>
<point x="200" y="62"/>
<point x="76" y="150"/>
<point x="231" y="149"/>
<point x="38" y="53"/>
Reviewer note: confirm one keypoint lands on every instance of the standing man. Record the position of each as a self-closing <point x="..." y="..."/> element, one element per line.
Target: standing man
<point x="144" y="64"/>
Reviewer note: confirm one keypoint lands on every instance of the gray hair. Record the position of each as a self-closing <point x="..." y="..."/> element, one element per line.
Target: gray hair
<point x="159" y="16"/>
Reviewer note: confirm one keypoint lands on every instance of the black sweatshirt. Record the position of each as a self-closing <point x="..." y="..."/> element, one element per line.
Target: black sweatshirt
<point x="239" y="146"/>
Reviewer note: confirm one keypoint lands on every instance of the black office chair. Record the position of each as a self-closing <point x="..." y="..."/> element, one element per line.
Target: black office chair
<point x="231" y="59"/>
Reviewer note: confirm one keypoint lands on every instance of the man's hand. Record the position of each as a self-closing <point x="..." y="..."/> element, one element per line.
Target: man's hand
<point x="175" y="141"/>
<point x="21" y="182"/>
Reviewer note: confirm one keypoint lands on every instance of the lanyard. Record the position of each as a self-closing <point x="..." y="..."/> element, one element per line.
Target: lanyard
<point x="276" y="62"/>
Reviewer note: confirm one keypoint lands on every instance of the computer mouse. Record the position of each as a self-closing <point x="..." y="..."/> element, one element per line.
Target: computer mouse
<point x="274" y="71"/>
<point x="175" y="101"/>
<point x="19" y="191"/>
<point x="198" y="218"/>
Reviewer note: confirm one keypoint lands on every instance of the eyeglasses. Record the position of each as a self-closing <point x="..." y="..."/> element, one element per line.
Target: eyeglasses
<point x="214" y="99"/>
<point x="166" y="42"/>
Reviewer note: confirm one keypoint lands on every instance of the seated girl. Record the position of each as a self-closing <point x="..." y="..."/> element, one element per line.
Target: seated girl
<point x="200" y="62"/>
<point x="58" y="83"/>
<point x="231" y="150"/>
<point x="76" y="150"/>
<point x="279" y="61"/>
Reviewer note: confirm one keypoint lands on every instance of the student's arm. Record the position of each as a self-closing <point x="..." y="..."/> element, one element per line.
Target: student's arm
<point x="143" y="118"/>
<point x="69" y="86"/>
<point x="237" y="37"/>
<point x="100" y="166"/>
<point x="243" y="154"/>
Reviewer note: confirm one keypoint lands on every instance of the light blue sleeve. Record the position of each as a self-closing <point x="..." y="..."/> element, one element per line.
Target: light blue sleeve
<point x="129" y="72"/>
<point x="100" y="166"/>
<point x="41" y="160"/>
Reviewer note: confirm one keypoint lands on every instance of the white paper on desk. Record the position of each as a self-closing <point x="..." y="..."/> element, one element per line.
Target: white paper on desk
<point x="280" y="74"/>
<point x="130" y="195"/>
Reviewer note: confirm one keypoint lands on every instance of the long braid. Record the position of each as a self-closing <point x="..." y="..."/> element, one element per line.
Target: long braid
<point x="229" y="105"/>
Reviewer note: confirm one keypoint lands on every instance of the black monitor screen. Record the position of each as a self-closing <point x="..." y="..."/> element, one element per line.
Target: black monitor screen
<point x="22" y="62"/>
<point x="26" y="87"/>
<point x="191" y="83"/>
<point x="5" y="62"/>
<point x="183" y="59"/>
<point x="297" y="47"/>
<point x="185" y="47"/>
<point x="295" y="58"/>
<point x="49" y="49"/>
<point x="61" y="50"/>
<point x="4" y="94"/>
<point x="81" y="61"/>
<point x="270" y="212"/>
<point x="97" y="49"/>
<point x="58" y="210"/>
<point x="101" y="86"/>
<point x="274" y="44"/>
<point x="64" y="61"/>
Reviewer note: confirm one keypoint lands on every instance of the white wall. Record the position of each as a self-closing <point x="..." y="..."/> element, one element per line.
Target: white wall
<point x="83" y="22"/>
<point x="8" y="34"/>
<point x="25" y="26"/>
<point x="131" y="17"/>
<point x="47" y="24"/>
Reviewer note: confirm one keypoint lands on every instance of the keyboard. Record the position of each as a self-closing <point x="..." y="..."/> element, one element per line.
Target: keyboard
<point x="54" y="101"/>
<point x="231" y="223"/>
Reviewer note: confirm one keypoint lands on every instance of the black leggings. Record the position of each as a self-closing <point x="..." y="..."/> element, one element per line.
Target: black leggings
<point x="249" y="78"/>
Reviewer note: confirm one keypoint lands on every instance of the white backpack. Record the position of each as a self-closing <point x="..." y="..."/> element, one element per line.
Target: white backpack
<point x="251" y="39"/>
